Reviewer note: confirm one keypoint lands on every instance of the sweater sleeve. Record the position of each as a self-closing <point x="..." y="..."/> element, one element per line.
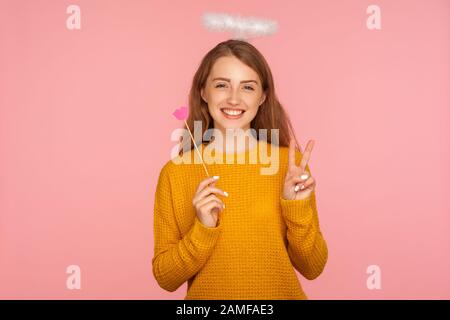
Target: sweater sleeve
<point x="176" y="259"/>
<point x="307" y="248"/>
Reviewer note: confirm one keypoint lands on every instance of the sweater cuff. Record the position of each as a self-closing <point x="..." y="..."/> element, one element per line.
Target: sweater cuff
<point x="204" y="237"/>
<point x="300" y="211"/>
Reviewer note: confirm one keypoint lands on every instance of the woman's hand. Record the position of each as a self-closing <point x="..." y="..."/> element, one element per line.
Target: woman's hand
<point x="206" y="203"/>
<point x="298" y="184"/>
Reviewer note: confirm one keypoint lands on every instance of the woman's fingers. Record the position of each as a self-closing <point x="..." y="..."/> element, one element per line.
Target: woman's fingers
<point x="291" y="162"/>
<point x="304" y="184"/>
<point x="213" y="205"/>
<point x="297" y="179"/>
<point x="208" y="199"/>
<point x="208" y="205"/>
<point x="306" y="155"/>
<point x="206" y="182"/>
<point x="297" y="175"/>
<point x="207" y="191"/>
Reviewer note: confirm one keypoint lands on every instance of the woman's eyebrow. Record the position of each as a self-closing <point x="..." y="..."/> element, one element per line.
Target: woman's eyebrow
<point x="226" y="79"/>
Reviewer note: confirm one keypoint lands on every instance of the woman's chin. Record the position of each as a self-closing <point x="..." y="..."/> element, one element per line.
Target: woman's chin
<point x="233" y="126"/>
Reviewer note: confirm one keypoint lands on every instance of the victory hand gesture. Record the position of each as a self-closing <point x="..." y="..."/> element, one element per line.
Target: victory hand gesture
<point x="298" y="184"/>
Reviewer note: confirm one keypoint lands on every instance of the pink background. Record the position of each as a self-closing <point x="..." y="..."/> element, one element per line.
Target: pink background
<point x="85" y="124"/>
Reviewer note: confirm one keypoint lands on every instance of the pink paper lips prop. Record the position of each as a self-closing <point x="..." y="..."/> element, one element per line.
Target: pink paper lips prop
<point x="181" y="113"/>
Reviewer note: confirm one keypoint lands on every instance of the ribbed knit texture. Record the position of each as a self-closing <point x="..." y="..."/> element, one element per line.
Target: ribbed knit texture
<point x="259" y="240"/>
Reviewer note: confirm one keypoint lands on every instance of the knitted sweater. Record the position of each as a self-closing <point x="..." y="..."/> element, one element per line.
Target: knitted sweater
<point x="260" y="237"/>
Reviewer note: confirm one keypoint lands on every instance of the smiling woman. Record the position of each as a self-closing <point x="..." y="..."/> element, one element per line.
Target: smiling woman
<point x="232" y="102"/>
<point x="270" y="226"/>
<point x="233" y="77"/>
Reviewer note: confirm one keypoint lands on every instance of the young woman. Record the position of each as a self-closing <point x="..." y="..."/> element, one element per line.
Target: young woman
<point x="250" y="248"/>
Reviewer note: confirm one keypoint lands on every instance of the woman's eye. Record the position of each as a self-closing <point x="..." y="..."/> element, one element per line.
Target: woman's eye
<point x="222" y="85"/>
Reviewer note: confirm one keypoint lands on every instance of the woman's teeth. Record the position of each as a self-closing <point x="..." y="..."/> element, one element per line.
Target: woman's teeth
<point x="230" y="113"/>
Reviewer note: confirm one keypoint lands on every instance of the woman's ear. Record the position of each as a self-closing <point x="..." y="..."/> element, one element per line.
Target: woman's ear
<point x="263" y="99"/>
<point x="201" y="94"/>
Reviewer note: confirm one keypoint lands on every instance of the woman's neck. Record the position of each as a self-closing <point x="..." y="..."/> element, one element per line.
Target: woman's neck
<point x="234" y="143"/>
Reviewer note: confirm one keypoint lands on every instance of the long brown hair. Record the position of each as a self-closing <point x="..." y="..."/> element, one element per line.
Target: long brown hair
<point x="270" y="115"/>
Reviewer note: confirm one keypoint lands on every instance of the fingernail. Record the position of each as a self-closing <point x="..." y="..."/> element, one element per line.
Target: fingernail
<point x="224" y="205"/>
<point x="302" y="187"/>
<point x="216" y="177"/>
<point x="226" y="193"/>
<point x="296" y="188"/>
<point x="304" y="176"/>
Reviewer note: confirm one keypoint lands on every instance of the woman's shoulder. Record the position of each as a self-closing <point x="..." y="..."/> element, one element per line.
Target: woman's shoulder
<point x="170" y="166"/>
<point x="177" y="163"/>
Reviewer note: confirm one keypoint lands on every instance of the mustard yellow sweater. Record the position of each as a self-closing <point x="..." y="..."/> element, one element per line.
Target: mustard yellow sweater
<point x="260" y="237"/>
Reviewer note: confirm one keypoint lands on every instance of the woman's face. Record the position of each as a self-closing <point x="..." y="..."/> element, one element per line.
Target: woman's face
<point x="234" y="93"/>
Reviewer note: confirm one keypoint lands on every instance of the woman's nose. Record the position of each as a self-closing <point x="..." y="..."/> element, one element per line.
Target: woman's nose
<point x="234" y="97"/>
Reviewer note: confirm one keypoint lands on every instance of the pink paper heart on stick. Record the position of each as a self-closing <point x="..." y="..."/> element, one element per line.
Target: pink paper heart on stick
<point x="181" y="113"/>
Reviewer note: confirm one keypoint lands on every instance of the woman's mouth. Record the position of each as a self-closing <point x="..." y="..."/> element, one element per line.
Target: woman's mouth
<point x="232" y="113"/>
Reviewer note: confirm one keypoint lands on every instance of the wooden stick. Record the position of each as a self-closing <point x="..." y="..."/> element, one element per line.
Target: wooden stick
<point x="201" y="158"/>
